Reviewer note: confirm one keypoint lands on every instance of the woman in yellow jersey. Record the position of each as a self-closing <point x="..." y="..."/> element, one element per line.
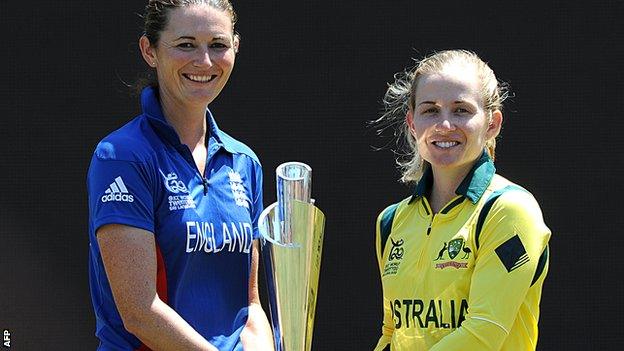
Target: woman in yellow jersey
<point x="463" y="260"/>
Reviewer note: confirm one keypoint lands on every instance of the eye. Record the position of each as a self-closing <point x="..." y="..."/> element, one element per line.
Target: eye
<point x="461" y="110"/>
<point x="186" y="45"/>
<point x="219" y="46"/>
<point x="428" y="111"/>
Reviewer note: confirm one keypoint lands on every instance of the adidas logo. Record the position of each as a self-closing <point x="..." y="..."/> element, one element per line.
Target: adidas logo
<point x="117" y="191"/>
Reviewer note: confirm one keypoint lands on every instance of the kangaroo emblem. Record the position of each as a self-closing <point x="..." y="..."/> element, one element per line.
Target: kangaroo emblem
<point x="441" y="253"/>
<point x="466" y="251"/>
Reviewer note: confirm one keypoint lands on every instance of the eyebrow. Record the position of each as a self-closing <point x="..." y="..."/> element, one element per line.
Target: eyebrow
<point x="434" y="103"/>
<point x="217" y="37"/>
<point x="427" y="102"/>
<point x="184" y="37"/>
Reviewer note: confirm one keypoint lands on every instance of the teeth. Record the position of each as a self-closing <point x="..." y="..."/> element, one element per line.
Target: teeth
<point x="445" y="144"/>
<point x="201" y="79"/>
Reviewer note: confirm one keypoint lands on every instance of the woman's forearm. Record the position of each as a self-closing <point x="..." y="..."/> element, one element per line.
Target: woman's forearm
<point x="160" y="328"/>
<point x="129" y="257"/>
<point x="257" y="334"/>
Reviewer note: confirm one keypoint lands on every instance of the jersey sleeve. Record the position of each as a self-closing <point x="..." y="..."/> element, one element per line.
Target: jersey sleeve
<point x="512" y="240"/>
<point x="120" y="192"/>
<point x="387" y="328"/>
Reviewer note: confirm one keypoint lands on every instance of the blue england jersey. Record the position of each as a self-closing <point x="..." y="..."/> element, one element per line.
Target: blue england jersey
<point x="141" y="175"/>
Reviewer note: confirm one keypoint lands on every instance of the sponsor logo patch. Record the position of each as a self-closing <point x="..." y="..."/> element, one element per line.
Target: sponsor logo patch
<point x="117" y="192"/>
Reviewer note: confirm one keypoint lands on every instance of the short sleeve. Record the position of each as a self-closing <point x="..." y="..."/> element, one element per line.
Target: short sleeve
<point x="120" y="192"/>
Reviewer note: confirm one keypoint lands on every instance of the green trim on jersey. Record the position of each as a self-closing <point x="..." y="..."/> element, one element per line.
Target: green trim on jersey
<point x="473" y="186"/>
<point x="386" y="223"/>
<point x="441" y="290"/>
<point x="488" y="205"/>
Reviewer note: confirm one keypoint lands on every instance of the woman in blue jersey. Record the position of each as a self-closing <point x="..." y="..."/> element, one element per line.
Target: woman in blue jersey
<point x="174" y="201"/>
<point x="462" y="261"/>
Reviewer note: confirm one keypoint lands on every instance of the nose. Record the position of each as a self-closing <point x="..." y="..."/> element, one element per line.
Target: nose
<point x="445" y="124"/>
<point x="203" y="59"/>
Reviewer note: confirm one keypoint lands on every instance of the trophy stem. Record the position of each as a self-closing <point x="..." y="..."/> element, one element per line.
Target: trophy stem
<point x="292" y="236"/>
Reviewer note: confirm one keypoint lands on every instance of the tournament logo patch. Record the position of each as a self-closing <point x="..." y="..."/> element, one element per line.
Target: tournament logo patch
<point x="396" y="253"/>
<point x="452" y="249"/>
<point x="512" y="253"/>
<point x="172" y="184"/>
<point x="181" y="199"/>
<point x="394" y="258"/>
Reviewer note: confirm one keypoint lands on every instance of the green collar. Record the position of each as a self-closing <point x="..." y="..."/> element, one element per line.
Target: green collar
<point x="473" y="186"/>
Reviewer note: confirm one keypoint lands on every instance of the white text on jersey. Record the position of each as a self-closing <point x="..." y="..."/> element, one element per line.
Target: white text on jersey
<point x="202" y="236"/>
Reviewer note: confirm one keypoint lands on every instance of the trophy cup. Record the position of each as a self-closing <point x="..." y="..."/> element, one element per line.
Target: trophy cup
<point x="292" y="243"/>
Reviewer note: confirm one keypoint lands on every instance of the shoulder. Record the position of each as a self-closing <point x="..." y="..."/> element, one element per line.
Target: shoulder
<point x="511" y="213"/>
<point x="132" y="142"/>
<point x="512" y="209"/>
<point x="237" y="147"/>
<point x="385" y="221"/>
<point x="512" y="198"/>
<point x="390" y="211"/>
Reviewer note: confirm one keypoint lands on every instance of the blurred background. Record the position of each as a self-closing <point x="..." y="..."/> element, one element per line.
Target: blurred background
<point x="308" y="77"/>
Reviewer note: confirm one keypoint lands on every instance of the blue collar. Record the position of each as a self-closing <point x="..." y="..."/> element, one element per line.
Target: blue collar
<point x="151" y="108"/>
<point x="473" y="186"/>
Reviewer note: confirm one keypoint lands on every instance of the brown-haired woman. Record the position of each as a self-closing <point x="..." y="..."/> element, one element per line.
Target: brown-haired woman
<point x="174" y="201"/>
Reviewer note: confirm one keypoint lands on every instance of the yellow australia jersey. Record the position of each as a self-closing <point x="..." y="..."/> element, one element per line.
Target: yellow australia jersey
<point x="468" y="277"/>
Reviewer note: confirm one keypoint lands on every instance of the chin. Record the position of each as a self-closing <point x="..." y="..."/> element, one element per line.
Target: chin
<point x="201" y="97"/>
<point x="443" y="160"/>
<point x="445" y="165"/>
<point x="446" y="162"/>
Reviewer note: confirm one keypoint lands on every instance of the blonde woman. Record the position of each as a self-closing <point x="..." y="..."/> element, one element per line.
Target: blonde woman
<point x="462" y="261"/>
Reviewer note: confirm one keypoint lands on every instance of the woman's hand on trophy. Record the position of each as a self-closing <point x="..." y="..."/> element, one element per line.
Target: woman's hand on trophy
<point x="257" y="334"/>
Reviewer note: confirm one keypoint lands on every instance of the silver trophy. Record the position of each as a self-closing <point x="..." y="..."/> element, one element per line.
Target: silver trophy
<point x="292" y="242"/>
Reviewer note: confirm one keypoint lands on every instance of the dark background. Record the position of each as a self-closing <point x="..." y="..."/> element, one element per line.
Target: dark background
<point x="309" y="75"/>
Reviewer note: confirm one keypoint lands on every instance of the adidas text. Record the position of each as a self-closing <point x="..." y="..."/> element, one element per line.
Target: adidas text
<point x="118" y="197"/>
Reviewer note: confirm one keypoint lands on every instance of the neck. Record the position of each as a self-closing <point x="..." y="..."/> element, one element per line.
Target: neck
<point x="445" y="182"/>
<point x="189" y="121"/>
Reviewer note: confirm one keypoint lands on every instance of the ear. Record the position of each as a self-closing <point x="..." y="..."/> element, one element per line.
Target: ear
<point x="495" y="125"/>
<point x="236" y="43"/>
<point x="409" y="120"/>
<point x="148" y="51"/>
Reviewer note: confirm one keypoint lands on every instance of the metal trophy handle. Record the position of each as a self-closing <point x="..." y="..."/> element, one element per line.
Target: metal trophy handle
<point x="292" y="242"/>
